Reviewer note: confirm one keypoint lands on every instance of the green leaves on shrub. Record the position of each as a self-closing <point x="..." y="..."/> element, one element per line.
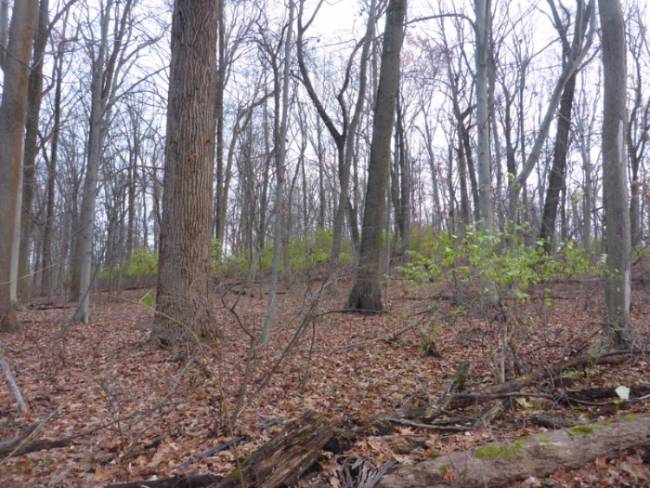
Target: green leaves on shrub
<point x="502" y="258"/>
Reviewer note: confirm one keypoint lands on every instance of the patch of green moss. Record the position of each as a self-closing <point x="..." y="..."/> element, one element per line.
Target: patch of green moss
<point x="629" y="417"/>
<point x="500" y="451"/>
<point x="583" y="429"/>
<point x="543" y="439"/>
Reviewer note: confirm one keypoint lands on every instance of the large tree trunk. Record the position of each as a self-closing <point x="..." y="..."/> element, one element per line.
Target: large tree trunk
<point x="366" y="293"/>
<point x="183" y="305"/>
<point x="538" y="455"/>
<point x="615" y="191"/>
<point x="12" y="125"/>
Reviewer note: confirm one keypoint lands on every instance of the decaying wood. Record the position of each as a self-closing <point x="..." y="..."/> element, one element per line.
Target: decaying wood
<point x="13" y="448"/>
<point x="284" y="458"/>
<point x="492" y="392"/>
<point x="13" y="386"/>
<point x="536" y="455"/>
<point x="587" y="394"/>
<point x="552" y="422"/>
<point x="198" y="481"/>
<point x="360" y="475"/>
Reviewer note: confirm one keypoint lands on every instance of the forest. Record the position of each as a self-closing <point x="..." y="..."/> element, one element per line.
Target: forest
<point x="324" y="243"/>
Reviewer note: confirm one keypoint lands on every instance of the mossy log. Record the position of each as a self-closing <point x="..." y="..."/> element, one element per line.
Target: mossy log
<point x="538" y="455"/>
<point x="283" y="459"/>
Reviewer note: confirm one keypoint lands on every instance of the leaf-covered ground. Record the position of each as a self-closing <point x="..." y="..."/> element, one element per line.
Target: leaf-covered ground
<point x="140" y="412"/>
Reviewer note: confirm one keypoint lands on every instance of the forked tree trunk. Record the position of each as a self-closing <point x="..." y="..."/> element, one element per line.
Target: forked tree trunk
<point x="615" y="191"/>
<point x="12" y="125"/>
<point x="366" y="293"/>
<point x="183" y="306"/>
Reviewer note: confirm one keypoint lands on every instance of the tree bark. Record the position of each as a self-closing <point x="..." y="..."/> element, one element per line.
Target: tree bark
<point x="34" y="98"/>
<point x="12" y="125"/>
<point x="183" y="305"/>
<point x="615" y="188"/>
<point x="366" y="292"/>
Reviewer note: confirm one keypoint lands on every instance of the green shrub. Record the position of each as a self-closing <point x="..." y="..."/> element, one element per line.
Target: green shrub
<point x="305" y="253"/>
<point x="499" y="258"/>
<point x="142" y="263"/>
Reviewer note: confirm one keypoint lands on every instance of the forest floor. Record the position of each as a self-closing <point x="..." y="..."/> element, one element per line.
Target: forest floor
<point x="142" y="412"/>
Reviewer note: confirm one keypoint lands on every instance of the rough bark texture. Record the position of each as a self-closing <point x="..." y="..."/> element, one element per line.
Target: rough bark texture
<point x="35" y="96"/>
<point x="185" y="271"/>
<point x="366" y="293"/>
<point x="12" y="125"/>
<point x="536" y="455"/>
<point x="283" y="459"/>
<point x="615" y="191"/>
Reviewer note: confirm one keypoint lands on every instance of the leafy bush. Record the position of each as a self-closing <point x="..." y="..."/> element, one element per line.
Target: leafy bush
<point x="499" y="258"/>
<point x="305" y="253"/>
<point x="141" y="263"/>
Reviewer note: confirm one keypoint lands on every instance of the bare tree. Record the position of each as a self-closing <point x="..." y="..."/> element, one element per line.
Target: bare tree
<point x="12" y="125"/>
<point x="366" y="292"/>
<point x="615" y="192"/>
<point x="556" y="182"/>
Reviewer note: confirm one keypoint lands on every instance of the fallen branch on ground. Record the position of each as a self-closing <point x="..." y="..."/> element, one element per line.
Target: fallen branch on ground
<point x="538" y="455"/>
<point x="199" y="481"/>
<point x="283" y="459"/>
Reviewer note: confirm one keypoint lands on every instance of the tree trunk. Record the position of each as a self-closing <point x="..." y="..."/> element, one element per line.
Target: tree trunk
<point x="12" y="124"/>
<point x="46" y="284"/>
<point x="558" y="170"/>
<point x="483" y="28"/>
<point x="34" y="98"/>
<point x="183" y="305"/>
<point x="366" y="293"/>
<point x="615" y="191"/>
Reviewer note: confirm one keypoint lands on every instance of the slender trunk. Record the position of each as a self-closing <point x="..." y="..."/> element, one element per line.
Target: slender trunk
<point x="558" y="170"/>
<point x="34" y="98"/>
<point x="617" y="216"/>
<point x="366" y="292"/>
<point x="12" y="124"/>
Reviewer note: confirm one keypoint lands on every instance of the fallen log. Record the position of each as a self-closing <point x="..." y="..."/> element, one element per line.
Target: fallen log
<point x="283" y="459"/>
<point x="198" y="481"/>
<point x="491" y="392"/>
<point x="537" y="455"/>
<point x="18" y="445"/>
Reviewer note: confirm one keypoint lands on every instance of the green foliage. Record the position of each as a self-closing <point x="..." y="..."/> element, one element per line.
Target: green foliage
<point x="500" y="258"/>
<point x="305" y="253"/>
<point x="142" y="263"/>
